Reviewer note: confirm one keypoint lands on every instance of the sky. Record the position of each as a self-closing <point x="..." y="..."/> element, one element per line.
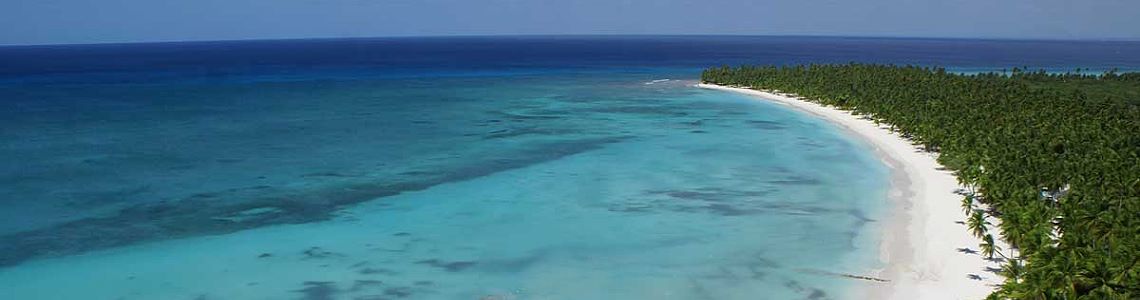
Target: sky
<point x="24" y="22"/>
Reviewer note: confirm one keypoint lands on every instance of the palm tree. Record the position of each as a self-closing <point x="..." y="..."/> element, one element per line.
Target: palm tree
<point x="967" y="204"/>
<point x="988" y="247"/>
<point x="1013" y="270"/>
<point x="977" y="223"/>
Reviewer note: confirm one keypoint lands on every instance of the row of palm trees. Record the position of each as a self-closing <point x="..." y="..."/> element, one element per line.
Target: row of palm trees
<point x="1055" y="157"/>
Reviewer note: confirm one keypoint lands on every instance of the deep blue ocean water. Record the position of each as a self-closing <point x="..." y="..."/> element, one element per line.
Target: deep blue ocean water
<point x="445" y="168"/>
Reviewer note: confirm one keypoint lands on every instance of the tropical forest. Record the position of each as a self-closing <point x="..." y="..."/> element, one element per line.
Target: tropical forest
<point x="1049" y="162"/>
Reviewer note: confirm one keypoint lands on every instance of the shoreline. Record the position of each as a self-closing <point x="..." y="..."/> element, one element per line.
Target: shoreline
<point x="924" y="204"/>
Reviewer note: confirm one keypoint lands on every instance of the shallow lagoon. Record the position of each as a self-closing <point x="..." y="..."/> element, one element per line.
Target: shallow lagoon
<point x="556" y="187"/>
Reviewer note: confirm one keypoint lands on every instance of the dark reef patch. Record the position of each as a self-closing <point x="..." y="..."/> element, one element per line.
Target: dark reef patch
<point x="516" y="132"/>
<point x="726" y="202"/>
<point x="722" y="273"/>
<point x="816" y="294"/>
<point x="696" y="123"/>
<point x="318" y="290"/>
<point x="809" y="293"/>
<point x="327" y="174"/>
<point x="361" y="284"/>
<point x="399" y="292"/>
<point x="631" y="208"/>
<point x="518" y="264"/>
<point x="100" y="199"/>
<point x="419" y="173"/>
<point x="193" y="216"/>
<point x="318" y="252"/>
<point x="810" y="143"/>
<point x="709" y="194"/>
<point x="454" y="266"/>
<point x="859" y="216"/>
<point x="760" y="261"/>
<point x="728" y="210"/>
<point x="524" y="117"/>
<point x="766" y="125"/>
<point x="381" y="271"/>
<point x="640" y="110"/>
<point x="797" y="180"/>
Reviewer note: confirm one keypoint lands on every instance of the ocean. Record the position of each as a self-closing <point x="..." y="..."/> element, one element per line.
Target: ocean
<point x="565" y="167"/>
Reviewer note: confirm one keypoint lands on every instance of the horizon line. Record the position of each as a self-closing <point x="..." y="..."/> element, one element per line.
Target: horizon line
<point x="191" y="41"/>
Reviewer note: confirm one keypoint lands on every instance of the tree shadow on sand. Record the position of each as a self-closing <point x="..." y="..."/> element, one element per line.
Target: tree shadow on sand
<point x="967" y="250"/>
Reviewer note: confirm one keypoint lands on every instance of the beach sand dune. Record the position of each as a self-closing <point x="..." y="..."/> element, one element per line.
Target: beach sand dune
<point x="929" y="253"/>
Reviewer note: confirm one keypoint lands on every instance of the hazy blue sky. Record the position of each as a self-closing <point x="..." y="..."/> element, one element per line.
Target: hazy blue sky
<point x="91" y="21"/>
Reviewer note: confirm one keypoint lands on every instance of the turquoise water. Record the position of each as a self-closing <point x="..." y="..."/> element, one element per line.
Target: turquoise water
<point x="445" y="168"/>
<point x="548" y="187"/>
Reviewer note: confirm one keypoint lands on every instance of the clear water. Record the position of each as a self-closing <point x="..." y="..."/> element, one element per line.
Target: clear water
<point x="509" y="168"/>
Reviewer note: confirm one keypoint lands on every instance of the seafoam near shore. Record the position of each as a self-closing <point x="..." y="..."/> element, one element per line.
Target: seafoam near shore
<point x="926" y="247"/>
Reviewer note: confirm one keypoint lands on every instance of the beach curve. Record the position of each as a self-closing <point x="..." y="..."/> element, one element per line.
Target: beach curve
<point x="926" y="248"/>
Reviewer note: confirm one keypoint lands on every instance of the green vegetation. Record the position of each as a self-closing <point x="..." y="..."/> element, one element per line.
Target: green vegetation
<point x="1055" y="157"/>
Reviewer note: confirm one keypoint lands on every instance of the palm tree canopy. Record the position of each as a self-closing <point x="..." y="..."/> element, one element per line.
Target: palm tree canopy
<point x="1055" y="156"/>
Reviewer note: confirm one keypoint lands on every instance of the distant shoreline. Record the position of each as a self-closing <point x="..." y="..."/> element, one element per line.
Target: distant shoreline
<point x="119" y="42"/>
<point x="920" y="240"/>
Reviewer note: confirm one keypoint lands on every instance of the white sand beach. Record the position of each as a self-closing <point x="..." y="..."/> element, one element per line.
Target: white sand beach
<point x="923" y="243"/>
